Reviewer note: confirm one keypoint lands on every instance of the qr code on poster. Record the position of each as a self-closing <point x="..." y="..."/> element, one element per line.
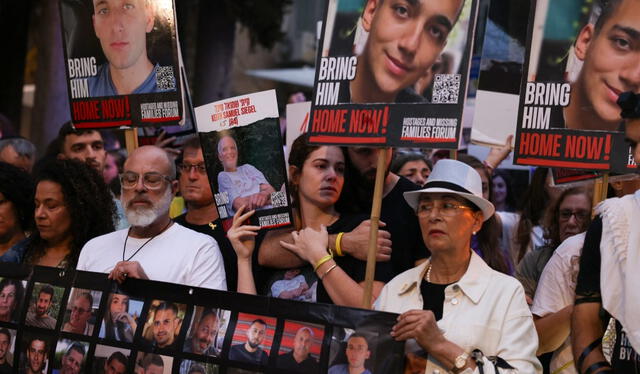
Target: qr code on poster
<point x="446" y="89"/>
<point x="279" y="199"/>
<point x="165" y="80"/>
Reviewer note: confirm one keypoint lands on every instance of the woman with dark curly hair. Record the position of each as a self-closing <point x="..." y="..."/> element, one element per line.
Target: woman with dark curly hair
<point x="16" y="209"/>
<point x="72" y="206"/>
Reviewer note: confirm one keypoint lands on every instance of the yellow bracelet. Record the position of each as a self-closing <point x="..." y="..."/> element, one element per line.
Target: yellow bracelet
<point x="339" y="244"/>
<point x="322" y="261"/>
<point x="328" y="271"/>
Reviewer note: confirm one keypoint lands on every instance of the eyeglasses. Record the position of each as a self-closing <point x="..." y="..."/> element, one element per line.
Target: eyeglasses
<point x="186" y="168"/>
<point x="581" y="215"/>
<point x="446" y="209"/>
<point x="79" y="310"/>
<point x="151" y="181"/>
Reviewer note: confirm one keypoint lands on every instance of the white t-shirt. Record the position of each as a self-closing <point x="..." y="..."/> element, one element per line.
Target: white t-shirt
<point x="245" y="181"/>
<point x="556" y="290"/>
<point x="178" y="255"/>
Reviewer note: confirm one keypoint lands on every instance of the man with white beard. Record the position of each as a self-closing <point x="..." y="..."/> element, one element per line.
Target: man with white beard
<point x="154" y="247"/>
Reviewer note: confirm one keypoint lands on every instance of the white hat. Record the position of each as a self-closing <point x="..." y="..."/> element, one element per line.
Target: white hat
<point x="454" y="177"/>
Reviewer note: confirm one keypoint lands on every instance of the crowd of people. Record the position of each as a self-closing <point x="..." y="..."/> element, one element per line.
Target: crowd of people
<point x="482" y="281"/>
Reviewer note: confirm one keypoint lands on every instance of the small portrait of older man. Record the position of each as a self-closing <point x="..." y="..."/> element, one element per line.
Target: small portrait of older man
<point x="152" y="363"/>
<point x="110" y="360"/>
<point x="300" y="347"/>
<point x="206" y="333"/>
<point x="72" y="355"/>
<point x="80" y="313"/>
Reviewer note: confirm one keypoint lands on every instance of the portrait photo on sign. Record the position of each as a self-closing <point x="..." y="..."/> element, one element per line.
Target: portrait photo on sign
<point x="70" y="357"/>
<point x="392" y="73"/>
<point x="195" y="367"/>
<point x="246" y="168"/>
<point x="110" y="360"/>
<point x="12" y="295"/>
<point x="108" y="40"/>
<point x="153" y="363"/>
<point x="80" y="313"/>
<point x="579" y="63"/>
<point x="164" y="321"/>
<point x="206" y="331"/>
<point x="300" y="347"/>
<point x="353" y="351"/>
<point x="7" y="349"/>
<point x="44" y="306"/>
<point x="121" y="318"/>
<point x="252" y="339"/>
<point x="34" y="352"/>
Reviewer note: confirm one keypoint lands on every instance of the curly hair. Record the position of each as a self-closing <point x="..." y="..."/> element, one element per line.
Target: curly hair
<point x="90" y="204"/>
<point x="551" y="221"/>
<point x="17" y="186"/>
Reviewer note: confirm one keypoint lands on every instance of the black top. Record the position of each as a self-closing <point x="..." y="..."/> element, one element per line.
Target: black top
<point x="307" y="366"/>
<point x="239" y="353"/>
<point x="624" y="358"/>
<point x="355" y="268"/>
<point x="215" y="230"/>
<point x="402" y="223"/>
<point x="433" y="297"/>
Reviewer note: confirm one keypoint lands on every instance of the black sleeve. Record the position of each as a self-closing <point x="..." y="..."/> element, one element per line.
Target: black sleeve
<point x="589" y="275"/>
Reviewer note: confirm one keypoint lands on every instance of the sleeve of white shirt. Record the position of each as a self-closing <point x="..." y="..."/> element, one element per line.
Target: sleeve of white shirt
<point x="207" y="270"/>
<point x="519" y="340"/>
<point x="555" y="288"/>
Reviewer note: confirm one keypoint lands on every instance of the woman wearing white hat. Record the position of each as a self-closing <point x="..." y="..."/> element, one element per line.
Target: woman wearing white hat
<point x="457" y="312"/>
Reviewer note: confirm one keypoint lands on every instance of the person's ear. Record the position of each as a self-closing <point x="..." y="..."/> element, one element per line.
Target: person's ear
<point x="150" y="18"/>
<point x="294" y="174"/>
<point x="478" y="219"/>
<point x="368" y="13"/>
<point x="585" y="37"/>
<point x="174" y="187"/>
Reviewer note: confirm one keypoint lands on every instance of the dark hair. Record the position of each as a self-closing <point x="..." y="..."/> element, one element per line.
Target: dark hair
<point x="108" y="319"/>
<point x="192" y="141"/>
<point x="118" y="356"/>
<point x="46" y="289"/>
<point x="75" y="346"/>
<point x="607" y="8"/>
<point x="15" y="313"/>
<point x="208" y="312"/>
<point x="358" y="335"/>
<point x="88" y="201"/>
<point x="152" y="359"/>
<point x="258" y="320"/>
<point x="534" y="200"/>
<point x="489" y="235"/>
<point x="551" y="223"/>
<point x="300" y="151"/>
<point x="39" y="338"/>
<point x="402" y="158"/>
<point x="6" y="332"/>
<point x="509" y="199"/>
<point x="167" y="306"/>
<point x="17" y="186"/>
<point x="196" y="368"/>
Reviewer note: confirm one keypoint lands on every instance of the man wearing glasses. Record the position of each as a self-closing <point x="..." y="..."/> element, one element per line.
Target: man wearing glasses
<point x="154" y="247"/>
<point x="80" y="314"/>
<point x="202" y="215"/>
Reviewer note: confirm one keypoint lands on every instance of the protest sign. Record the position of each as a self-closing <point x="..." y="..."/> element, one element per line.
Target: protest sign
<point x="174" y="328"/>
<point x="568" y="116"/>
<point x="244" y="155"/>
<point x="394" y="78"/>
<point x="122" y="64"/>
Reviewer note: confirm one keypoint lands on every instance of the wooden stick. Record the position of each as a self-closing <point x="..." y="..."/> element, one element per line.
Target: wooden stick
<point x="131" y="139"/>
<point x="605" y="187"/>
<point x="453" y="154"/>
<point x="375" y="222"/>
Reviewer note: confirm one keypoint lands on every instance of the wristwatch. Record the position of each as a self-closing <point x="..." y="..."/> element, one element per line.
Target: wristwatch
<point x="460" y="362"/>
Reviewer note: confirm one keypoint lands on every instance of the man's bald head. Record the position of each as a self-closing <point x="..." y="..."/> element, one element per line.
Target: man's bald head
<point x="153" y="156"/>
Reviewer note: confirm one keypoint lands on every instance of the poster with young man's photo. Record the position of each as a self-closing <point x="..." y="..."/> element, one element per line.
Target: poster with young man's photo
<point x="392" y="73"/>
<point x="121" y="63"/>
<point x="244" y="156"/>
<point x="579" y="59"/>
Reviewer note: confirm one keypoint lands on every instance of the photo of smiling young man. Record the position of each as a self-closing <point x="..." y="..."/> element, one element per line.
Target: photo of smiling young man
<point x="122" y="26"/>
<point x="609" y="51"/>
<point x="405" y="39"/>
